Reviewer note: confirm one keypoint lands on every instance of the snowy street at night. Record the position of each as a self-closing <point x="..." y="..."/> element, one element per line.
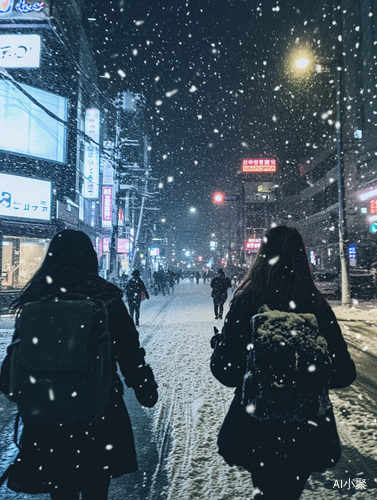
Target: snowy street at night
<point x="176" y="440"/>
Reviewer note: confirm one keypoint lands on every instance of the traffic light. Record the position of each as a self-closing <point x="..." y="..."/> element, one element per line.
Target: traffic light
<point x="218" y="198"/>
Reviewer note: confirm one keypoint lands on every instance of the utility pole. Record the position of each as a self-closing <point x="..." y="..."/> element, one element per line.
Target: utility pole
<point x="146" y="161"/>
<point x="116" y="200"/>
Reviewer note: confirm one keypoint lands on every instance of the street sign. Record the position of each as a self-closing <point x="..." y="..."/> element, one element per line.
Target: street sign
<point x="231" y="197"/>
<point x="352" y="252"/>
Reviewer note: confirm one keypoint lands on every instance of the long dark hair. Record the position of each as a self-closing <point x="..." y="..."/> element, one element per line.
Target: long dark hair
<point x="281" y="273"/>
<point x="70" y="259"/>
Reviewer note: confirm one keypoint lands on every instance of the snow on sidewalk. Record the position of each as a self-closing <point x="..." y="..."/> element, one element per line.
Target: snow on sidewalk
<point x="176" y="332"/>
<point x="192" y="402"/>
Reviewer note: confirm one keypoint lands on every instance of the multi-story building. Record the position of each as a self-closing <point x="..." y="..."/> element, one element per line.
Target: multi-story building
<point x="48" y="83"/>
<point x="344" y="35"/>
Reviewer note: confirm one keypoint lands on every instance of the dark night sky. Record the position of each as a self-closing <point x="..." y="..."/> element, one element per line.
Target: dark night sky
<point x="214" y="75"/>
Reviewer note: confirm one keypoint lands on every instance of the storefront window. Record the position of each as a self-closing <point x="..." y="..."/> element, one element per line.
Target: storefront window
<point x="21" y="258"/>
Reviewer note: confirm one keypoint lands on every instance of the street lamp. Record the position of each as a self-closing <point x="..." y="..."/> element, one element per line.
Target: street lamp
<point x="346" y="299"/>
<point x="302" y="63"/>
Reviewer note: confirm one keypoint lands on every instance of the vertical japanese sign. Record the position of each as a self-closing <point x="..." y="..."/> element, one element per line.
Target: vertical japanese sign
<point x="108" y="173"/>
<point x="106" y="245"/>
<point x="91" y="154"/>
<point x="107" y="206"/>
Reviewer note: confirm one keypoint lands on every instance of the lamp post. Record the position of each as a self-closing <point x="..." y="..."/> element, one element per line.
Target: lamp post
<point x="344" y="266"/>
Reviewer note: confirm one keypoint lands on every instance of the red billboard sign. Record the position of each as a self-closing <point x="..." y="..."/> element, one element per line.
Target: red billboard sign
<point x="258" y="165"/>
<point x="253" y="244"/>
<point x="373" y="206"/>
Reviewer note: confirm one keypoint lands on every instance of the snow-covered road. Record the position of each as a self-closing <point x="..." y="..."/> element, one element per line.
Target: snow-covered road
<point x="181" y="461"/>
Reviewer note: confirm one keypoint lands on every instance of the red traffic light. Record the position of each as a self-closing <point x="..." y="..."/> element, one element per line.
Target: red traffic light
<point x="218" y="198"/>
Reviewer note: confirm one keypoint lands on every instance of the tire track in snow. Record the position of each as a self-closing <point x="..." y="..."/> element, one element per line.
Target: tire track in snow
<point x="162" y="427"/>
<point x="179" y="353"/>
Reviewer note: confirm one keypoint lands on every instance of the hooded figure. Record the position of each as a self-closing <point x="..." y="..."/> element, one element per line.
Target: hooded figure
<point x="220" y="285"/>
<point x="135" y="287"/>
<point x="68" y="459"/>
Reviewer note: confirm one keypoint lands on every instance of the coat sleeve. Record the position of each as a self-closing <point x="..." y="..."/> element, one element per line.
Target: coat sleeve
<point x="344" y="370"/>
<point x="228" y="360"/>
<point x="129" y="355"/>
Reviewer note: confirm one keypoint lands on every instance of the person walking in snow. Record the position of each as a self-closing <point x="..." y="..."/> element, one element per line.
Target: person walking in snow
<point x="66" y="460"/>
<point x="279" y="453"/>
<point x="136" y="291"/>
<point x="220" y="285"/>
<point x="170" y="275"/>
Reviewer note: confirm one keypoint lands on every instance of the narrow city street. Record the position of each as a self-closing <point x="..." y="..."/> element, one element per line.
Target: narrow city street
<point x="176" y="440"/>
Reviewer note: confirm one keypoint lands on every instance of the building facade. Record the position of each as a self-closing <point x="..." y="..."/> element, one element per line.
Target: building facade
<point x="343" y="37"/>
<point x="48" y="83"/>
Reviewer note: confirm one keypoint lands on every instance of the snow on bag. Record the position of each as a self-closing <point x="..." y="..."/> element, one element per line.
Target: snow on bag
<point x="61" y="363"/>
<point x="288" y="367"/>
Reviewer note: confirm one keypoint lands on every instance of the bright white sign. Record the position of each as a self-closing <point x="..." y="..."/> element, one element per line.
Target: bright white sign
<point x="107" y="206"/>
<point x="91" y="154"/>
<point x="26" y="128"/>
<point x="20" y="51"/>
<point x="25" y="197"/>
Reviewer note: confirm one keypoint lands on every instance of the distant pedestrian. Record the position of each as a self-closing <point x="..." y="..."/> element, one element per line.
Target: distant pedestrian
<point x="65" y="459"/>
<point x="204" y="277"/>
<point x="136" y="291"/>
<point x="197" y="277"/>
<point x="280" y="426"/>
<point x="220" y="285"/>
<point x="171" y="276"/>
<point x="123" y="281"/>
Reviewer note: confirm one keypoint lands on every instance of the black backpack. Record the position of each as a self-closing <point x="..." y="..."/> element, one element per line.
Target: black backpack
<point x="60" y="366"/>
<point x="288" y="367"/>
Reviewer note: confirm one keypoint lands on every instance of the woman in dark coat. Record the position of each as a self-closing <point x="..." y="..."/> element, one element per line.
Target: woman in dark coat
<point x="279" y="454"/>
<point x="70" y="459"/>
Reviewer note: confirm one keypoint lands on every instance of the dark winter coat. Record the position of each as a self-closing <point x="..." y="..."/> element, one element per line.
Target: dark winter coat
<point x="73" y="454"/>
<point x="244" y="441"/>
<point x="135" y="285"/>
<point x="220" y="286"/>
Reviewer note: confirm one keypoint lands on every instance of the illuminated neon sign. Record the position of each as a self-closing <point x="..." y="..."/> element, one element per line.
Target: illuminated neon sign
<point x="258" y="165"/>
<point x="253" y="244"/>
<point x="12" y="8"/>
<point x="91" y="154"/>
<point x="24" y="7"/>
<point x="107" y="206"/>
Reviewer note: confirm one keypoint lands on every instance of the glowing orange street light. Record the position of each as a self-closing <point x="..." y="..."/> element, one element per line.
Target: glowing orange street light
<point x="218" y="198"/>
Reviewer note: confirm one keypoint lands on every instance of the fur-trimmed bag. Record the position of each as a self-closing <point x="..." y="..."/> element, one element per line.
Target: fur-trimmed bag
<point x="288" y="367"/>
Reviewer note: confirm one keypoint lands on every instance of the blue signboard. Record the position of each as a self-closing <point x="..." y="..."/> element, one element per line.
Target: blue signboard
<point x="352" y="251"/>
